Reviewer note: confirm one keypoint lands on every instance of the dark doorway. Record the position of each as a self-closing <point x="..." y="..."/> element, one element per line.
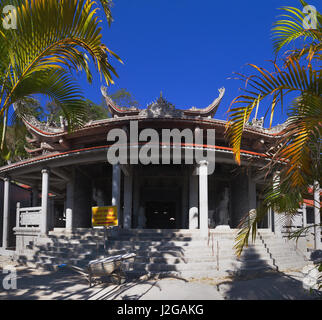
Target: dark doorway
<point x="59" y="215"/>
<point x="160" y="215"/>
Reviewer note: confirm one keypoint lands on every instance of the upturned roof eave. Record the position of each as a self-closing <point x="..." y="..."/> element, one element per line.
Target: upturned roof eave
<point x="45" y="159"/>
<point x="55" y="136"/>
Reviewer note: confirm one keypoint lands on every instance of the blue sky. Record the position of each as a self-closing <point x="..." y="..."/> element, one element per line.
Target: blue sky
<point x="188" y="49"/>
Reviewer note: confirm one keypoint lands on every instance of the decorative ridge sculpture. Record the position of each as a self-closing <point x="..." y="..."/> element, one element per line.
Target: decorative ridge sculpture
<point x="31" y="121"/>
<point x="116" y="110"/>
<point x="163" y="108"/>
<point x="209" y="111"/>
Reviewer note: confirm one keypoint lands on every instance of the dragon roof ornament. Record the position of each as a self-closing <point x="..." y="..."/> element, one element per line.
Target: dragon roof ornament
<point x="115" y="109"/>
<point x="32" y="122"/>
<point x="210" y="110"/>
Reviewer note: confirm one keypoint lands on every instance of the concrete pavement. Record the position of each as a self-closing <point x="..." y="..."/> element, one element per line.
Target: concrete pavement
<point x="67" y="285"/>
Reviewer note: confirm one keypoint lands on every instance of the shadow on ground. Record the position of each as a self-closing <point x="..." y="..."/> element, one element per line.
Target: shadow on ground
<point x="246" y="283"/>
<point x="66" y="284"/>
<point x="265" y="285"/>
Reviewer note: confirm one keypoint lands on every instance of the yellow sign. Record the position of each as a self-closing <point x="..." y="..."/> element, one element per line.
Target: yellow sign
<point x="104" y="216"/>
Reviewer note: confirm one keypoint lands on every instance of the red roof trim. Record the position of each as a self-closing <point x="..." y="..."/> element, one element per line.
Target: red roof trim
<point x="129" y="118"/>
<point x="29" y="161"/>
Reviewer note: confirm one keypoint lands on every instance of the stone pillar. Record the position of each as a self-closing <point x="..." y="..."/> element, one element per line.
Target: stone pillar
<point x="128" y="190"/>
<point x="251" y="193"/>
<point x="269" y="220"/>
<point x="203" y="197"/>
<point x="6" y="208"/>
<point x="193" y="202"/>
<point x="44" y="201"/>
<point x="184" y="204"/>
<point x="69" y="205"/>
<point x="279" y="219"/>
<point x="116" y="188"/>
<point x="317" y="217"/>
<point x="136" y="198"/>
<point x="304" y="215"/>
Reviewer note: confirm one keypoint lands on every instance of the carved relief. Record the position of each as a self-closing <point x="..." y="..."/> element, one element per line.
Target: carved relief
<point x="161" y="109"/>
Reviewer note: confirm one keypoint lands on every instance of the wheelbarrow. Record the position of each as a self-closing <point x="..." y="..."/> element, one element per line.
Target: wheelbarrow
<point x="112" y="266"/>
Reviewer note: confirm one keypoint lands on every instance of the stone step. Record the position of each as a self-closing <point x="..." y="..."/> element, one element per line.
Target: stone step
<point x="188" y="234"/>
<point x="274" y="242"/>
<point x="281" y="249"/>
<point x="141" y="232"/>
<point x="289" y="259"/>
<point x="80" y="239"/>
<point x="189" y="250"/>
<point x="64" y="250"/>
<point x="192" y="234"/>
<point x="68" y="242"/>
<point x="156" y="231"/>
<point x="49" y="262"/>
<point x="222" y="246"/>
<point x="156" y="252"/>
<point x="284" y="247"/>
<point x="181" y="252"/>
<point x="156" y="238"/>
<point x="164" y="248"/>
<point x="46" y="258"/>
<point x="291" y="266"/>
<point x="70" y="254"/>
<point x="199" y="259"/>
<point x="158" y="243"/>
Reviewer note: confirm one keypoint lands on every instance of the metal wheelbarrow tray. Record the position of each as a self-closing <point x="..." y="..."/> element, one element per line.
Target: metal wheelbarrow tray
<point x="111" y="266"/>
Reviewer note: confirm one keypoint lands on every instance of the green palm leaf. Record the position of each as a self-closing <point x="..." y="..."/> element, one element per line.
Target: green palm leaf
<point x="54" y="39"/>
<point x="297" y="154"/>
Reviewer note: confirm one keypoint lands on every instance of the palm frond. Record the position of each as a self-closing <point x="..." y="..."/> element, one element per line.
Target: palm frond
<point x="290" y="28"/>
<point x="297" y="154"/>
<point x="55" y="34"/>
<point x="59" y="86"/>
<point x="263" y="85"/>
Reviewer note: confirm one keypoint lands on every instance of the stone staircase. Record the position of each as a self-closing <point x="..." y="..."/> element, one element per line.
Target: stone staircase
<point x="283" y="252"/>
<point x="180" y="253"/>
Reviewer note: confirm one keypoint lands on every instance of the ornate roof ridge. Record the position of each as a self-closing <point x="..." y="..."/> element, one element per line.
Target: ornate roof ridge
<point x="159" y="109"/>
<point x="33" y="123"/>
<point x="163" y="108"/>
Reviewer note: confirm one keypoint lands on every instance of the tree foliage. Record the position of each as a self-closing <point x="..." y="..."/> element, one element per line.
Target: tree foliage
<point x="52" y="40"/>
<point x="51" y="113"/>
<point x="297" y="153"/>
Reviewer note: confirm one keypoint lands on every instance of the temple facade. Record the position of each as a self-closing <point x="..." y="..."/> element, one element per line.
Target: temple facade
<point x="68" y="173"/>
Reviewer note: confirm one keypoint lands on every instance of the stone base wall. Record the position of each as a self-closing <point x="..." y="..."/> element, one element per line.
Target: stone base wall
<point x="23" y="238"/>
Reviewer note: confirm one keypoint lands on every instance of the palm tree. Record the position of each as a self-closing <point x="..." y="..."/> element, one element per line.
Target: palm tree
<point x="52" y="40"/>
<point x="297" y="153"/>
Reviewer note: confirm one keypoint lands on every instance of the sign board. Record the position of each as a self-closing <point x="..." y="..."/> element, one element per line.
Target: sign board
<point x="104" y="216"/>
<point x="30" y="219"/>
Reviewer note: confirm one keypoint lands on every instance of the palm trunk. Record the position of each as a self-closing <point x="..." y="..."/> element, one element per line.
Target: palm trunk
<point x="4" y="129"/>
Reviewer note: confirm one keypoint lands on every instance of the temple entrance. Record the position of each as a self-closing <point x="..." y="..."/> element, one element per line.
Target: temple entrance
<point x="160" y="197"/>
<point x="160" y="215"/>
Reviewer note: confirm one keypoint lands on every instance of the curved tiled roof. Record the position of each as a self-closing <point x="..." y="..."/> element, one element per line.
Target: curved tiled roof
<point x="52" y="156"/>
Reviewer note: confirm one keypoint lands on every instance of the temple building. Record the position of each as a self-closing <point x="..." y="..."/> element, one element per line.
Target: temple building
<point x="68" y="174"/>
